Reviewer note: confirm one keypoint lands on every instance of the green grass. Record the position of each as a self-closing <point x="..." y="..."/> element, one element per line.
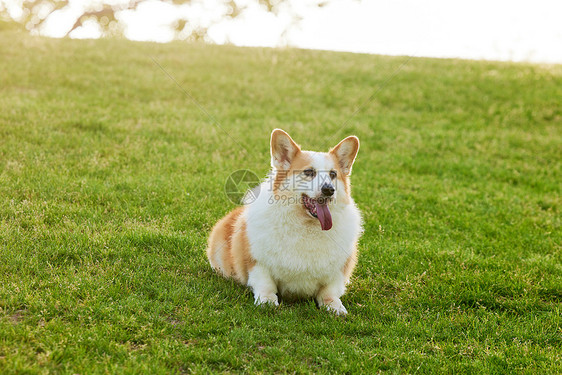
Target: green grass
<point x="111" y="178"/>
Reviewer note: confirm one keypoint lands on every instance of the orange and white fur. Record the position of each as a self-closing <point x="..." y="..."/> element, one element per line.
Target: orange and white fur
<point x="299" y="237"/>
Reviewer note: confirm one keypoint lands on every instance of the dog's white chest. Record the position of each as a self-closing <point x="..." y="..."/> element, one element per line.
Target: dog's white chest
<point x="300" y="257"/>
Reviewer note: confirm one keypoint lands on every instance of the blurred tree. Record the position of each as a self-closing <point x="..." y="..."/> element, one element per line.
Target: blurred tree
<point x="108" y="15"/>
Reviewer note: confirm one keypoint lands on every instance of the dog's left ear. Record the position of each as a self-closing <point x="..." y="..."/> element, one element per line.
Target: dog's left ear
<point x="283" y="149"/>
<point x="345" y="153"/>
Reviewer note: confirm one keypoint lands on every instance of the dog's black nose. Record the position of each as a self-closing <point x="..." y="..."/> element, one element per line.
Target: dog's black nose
<point x="328" y="190"/>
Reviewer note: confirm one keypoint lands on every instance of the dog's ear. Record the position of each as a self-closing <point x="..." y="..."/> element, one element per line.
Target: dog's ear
<point x="345" y="153"/>
<point x="283" y="149"/>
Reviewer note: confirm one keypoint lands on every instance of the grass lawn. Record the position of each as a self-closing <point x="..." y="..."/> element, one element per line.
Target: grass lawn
<point x="111" y="179"/>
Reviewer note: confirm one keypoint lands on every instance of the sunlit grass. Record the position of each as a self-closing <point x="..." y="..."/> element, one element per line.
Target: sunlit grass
<point x="111" y="178"/>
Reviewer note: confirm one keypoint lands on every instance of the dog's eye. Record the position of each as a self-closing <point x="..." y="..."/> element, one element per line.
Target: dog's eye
<point x="309" y="172"/>
<point x="333" y="174"/>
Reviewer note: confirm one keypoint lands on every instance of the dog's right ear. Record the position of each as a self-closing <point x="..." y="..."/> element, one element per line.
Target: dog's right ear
<point x="283" y="149"/>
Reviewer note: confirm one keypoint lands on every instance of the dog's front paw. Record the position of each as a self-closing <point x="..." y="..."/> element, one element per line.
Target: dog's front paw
<point x="333" y="305"/>
<point x="261" y="300"/>
<point x="338" y="310"/>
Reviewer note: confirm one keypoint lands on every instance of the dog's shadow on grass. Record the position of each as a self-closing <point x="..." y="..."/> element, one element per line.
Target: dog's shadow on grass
<point x="228" y="295"/>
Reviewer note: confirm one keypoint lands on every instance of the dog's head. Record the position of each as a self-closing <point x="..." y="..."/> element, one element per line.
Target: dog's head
<point x="314" y="180"/>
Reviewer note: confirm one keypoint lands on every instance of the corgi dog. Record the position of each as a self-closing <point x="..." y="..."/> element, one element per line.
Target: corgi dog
<point x="298" y="238"/>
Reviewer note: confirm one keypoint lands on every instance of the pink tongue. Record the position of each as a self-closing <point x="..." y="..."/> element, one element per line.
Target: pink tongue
<point x="324" y="216"/>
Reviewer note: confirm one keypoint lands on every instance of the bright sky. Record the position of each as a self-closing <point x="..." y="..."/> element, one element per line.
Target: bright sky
<point x="513" y="30"/>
